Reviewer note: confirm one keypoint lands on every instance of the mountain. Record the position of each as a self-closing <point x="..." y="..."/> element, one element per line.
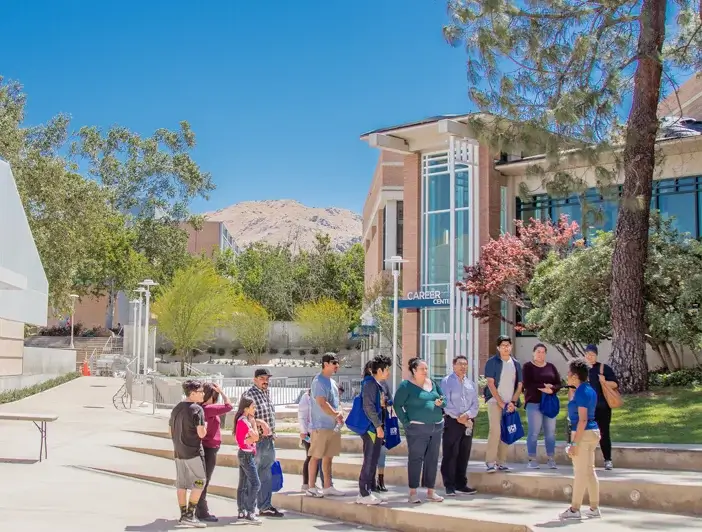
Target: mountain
<point x="288" y="221"/>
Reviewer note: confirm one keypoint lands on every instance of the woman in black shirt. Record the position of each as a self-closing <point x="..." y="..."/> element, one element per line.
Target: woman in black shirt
<point x="603" y="413"/>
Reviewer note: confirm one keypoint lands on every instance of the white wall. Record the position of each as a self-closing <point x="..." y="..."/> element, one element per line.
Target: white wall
<point x="247" y="372"/>
<point x="23" y="285"/>
<point x="40" y="365"/>
<point x="524" y="346"/>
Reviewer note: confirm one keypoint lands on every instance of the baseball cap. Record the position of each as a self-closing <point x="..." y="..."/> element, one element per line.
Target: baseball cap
<point x="330" y="358"/>
<point x="262" y="372"/>
<point x="592" y="348"/>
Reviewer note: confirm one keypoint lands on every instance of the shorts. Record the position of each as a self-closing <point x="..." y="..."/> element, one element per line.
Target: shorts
<point x="324" y="443"/>
<point x="190" y="473"/>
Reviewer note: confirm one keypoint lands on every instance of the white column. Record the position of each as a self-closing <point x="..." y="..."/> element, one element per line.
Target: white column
<point x="475" y="247"/>
<point x="452" y="250"/>
<point x="390" y="228"/>
<point x="138" y="336"/>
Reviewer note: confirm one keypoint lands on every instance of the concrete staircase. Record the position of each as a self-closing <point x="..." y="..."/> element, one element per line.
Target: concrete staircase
<point x="652" y="488"/>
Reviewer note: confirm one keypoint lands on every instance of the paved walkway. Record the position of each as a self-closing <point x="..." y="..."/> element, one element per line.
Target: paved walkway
<point x="59" y="495"/>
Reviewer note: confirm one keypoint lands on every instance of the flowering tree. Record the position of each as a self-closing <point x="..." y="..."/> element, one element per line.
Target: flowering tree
<point x="507" y="264"/>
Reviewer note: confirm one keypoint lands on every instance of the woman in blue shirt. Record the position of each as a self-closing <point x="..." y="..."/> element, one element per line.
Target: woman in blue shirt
<point x="581" y="413"/>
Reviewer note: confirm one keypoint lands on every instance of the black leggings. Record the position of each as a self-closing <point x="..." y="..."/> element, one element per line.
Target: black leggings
<point x="603" y="416"/>
<point x="210" y="463"/>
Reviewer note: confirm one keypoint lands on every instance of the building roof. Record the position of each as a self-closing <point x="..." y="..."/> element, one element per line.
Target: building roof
<point x="688" y="96"/>
<point x="416" y="123"/>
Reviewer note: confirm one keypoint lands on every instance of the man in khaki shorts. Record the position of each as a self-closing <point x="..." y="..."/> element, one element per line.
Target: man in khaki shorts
<point x="325" y="424"/>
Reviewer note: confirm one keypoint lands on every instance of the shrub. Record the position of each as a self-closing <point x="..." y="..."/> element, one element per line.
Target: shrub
<point x="221" y="351"/>
<point x="273" y="351"/>
<point x="681" y="378"/>
<point x="287" y="352"/>
<point x="302" y="352"/>
<point x="211" y="350"/>
<point x="161" y="350"/>
<point x="234" y="351"/>
<point x="314" y="351"/>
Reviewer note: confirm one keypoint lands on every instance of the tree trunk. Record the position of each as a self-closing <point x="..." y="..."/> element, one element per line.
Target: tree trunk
<point x="183" y="354"/>
<point x="654" y="345"/>
<point x="675" y="357"/>
<point x="665" y="354"/>
<point x="628" y="356"/>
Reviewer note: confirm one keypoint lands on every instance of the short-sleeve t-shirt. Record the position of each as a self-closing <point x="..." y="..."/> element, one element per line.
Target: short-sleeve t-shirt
<point x="584" y="397"/>
<point x="323" y="387"/>
<point x="186" y="417"/>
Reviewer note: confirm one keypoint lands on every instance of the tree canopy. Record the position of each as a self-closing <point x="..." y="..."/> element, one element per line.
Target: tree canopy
<point x="325" y="323"/>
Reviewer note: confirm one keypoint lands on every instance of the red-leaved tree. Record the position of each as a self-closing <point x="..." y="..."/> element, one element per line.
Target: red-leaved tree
<point x="507" y="264"/>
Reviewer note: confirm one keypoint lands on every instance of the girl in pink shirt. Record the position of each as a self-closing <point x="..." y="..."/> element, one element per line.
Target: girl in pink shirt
<point x="246" y="437"/>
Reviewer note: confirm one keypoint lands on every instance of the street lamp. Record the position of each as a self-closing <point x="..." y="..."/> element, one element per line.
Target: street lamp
<point x="148" y="283"/>
<point x="137" y="328"/>
<point x="395" y="261"/>
<point x="73" y="311"/>
<point x="136" y="303"/>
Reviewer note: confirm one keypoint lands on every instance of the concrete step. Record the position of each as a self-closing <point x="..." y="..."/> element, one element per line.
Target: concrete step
<point x="663" y="491"/>
<point x="629" y="456"/>
<point x="483" y="512"/>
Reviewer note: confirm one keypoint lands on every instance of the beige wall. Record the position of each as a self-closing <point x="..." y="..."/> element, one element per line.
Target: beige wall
<point x="11" y="347"/>
<point x="89" y="311"/>
<point x="205" y="240"/>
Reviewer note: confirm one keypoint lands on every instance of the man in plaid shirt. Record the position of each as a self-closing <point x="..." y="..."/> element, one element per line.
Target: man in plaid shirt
<point x="265" y="447"/>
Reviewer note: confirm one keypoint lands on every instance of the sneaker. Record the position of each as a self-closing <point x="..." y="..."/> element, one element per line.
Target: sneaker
<point x="304" y="487"/>
<point x="608" y="465"/>
<point x="533" y="464"/>
<point x="570" y="514"/>
<point x="592" y="513"/>
<point x="332" y="492"/>
<point x="252" y="519"/>
<point x="368" y="500"/>
<point x="490" y="468"/>
<point x="434" y="497"/>
<point x="414" y="499"/>
<point x="552" y="464"/>
<point x="450" y="493"/>
<point x="271" y="512"/>
<point x="504" y="468"/>
<point x="467" y="490"/>
<point x="191" y="521"/>
<point x="209" y="518"/>
<point x="242" y="515"/>
<point x="314" y="492"/>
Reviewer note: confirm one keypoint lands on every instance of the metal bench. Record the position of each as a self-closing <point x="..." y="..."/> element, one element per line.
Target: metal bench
<point x="39" y="420"/>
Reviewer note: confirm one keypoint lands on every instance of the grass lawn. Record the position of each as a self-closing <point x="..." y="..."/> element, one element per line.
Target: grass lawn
<point x="661" y="415"/>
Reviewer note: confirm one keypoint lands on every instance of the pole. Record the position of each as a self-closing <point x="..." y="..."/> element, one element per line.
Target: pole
<point x="146" y="331"/>
<point x="395" y="311"/>
<point x="138" y="335"/>
<point x="73" y="311"/>
<point x="134" y="330"/>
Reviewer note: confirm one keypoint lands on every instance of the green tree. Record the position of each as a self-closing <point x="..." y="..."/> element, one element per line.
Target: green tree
<point x="558" y="75"/>
<point x="251" y="325"/>
<point x="325" y="323"/>
<point x="379" y="301"/>
<point x="196" y="303"/>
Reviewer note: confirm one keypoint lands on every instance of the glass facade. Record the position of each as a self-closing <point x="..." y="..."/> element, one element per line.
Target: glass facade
<point x="436" y="268"/>
<point x="679" y="198"/>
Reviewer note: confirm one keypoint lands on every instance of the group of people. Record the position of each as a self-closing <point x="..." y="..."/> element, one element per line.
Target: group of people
<point x="435" y="418"/>
<point x="195" y="428"/>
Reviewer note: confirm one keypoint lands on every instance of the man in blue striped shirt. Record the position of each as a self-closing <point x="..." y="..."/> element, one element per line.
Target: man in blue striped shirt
<point x="461" y="409"/>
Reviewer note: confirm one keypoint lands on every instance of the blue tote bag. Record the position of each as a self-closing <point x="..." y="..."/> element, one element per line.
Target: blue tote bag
<point x="392" y="431"/>
<point x="277" y="473"/>
<point x="357" y="421"/>
<point x="511" y="429"/>
<point x="550" y="406"/>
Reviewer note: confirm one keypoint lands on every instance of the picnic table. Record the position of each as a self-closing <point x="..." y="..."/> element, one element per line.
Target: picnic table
<point x="40" y="422"/>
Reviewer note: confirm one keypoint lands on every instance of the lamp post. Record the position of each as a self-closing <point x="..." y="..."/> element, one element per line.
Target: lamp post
<point x="73" y="311"/>
<point x="137" y="329"/>
<point x="395" y="261"/>
<point x="148" y="283"/>
<point x="134" y="302"/>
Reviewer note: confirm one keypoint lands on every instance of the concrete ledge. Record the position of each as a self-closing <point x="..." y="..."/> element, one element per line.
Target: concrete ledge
<point x="660" y="491"/>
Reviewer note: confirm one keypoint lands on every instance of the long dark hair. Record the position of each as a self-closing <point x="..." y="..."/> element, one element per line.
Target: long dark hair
<point x="244" y="403"/>
<point x="210" y="393"/>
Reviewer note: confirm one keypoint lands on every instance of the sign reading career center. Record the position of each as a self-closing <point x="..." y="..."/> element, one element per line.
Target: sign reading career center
<point x="429" y="298"/>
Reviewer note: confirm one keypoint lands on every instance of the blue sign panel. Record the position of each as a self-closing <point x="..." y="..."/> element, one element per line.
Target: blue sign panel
<point x="428" y="299"/>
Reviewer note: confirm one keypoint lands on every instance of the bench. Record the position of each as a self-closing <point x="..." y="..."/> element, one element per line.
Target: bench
<point x="39" y="420"/>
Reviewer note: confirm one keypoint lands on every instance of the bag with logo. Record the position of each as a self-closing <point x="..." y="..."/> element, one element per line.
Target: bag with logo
<point x="357" y="421"/>
<point x="277" y="476"/>
<point x="392" y="431"/>
<point x="550" y="405"/>
<point x="511" y="429"/>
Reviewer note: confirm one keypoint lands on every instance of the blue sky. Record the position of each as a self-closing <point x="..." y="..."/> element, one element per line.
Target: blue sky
<point x="277" y="91"/>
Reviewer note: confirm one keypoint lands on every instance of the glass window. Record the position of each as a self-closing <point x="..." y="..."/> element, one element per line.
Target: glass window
<point x="436" y="319"/>
<point x="439" y="193"/>
<point x="462" y="188"/>
<point x="437" y="248"/>
<point x="682" y="206"/>
<point x="400" y="228"/>
<point x="437" y="358"/>
<point x="462" y="242"/>
<point x="571" y="208"/>
<point x="503" y="210"/>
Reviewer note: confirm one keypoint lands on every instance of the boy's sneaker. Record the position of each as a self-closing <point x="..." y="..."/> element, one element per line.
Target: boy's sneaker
<point x="188" y="519"/>
<point x="490" y="468"/>
<point x="368" y="500"/>
<point x="450" y="493"/>
<point x="304" y="487"/>
<point x="270" y="512"/>
<point x="552" y="464"/>
<point x="592" y="513"/>
<point x="504" y="468"/>
<point x="242" y="515"/>
<point x="533" y="464"/>
<point x="608" y="465"/>
<point x="314" y="492"/>
<point x="467" y="490"/>
<point x="332" y="492"/>
<point x="570" y="514"/>
<point x="252" y="519"/>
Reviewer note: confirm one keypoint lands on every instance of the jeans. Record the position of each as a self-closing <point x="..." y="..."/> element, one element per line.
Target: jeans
<point x="537" y="421"/>
<point x="371" y="454"/>
<point x="603" y="416"/>
<point x="306" y="466"/>
<point x="455" y="455"/>
<point x="210" y="463"/>
<point x="265" y="456"/>
<point x="585" y="478"/>
<point x="249" y="483"/>
<point x="423" y="444"/>
<point x="383" y="457"/>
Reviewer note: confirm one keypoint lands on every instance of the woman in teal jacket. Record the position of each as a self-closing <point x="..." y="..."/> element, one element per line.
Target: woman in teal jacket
<point x="419" y="405"/>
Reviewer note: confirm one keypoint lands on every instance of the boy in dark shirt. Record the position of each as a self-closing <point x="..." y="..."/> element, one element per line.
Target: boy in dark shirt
<point x="187" y="428"/>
